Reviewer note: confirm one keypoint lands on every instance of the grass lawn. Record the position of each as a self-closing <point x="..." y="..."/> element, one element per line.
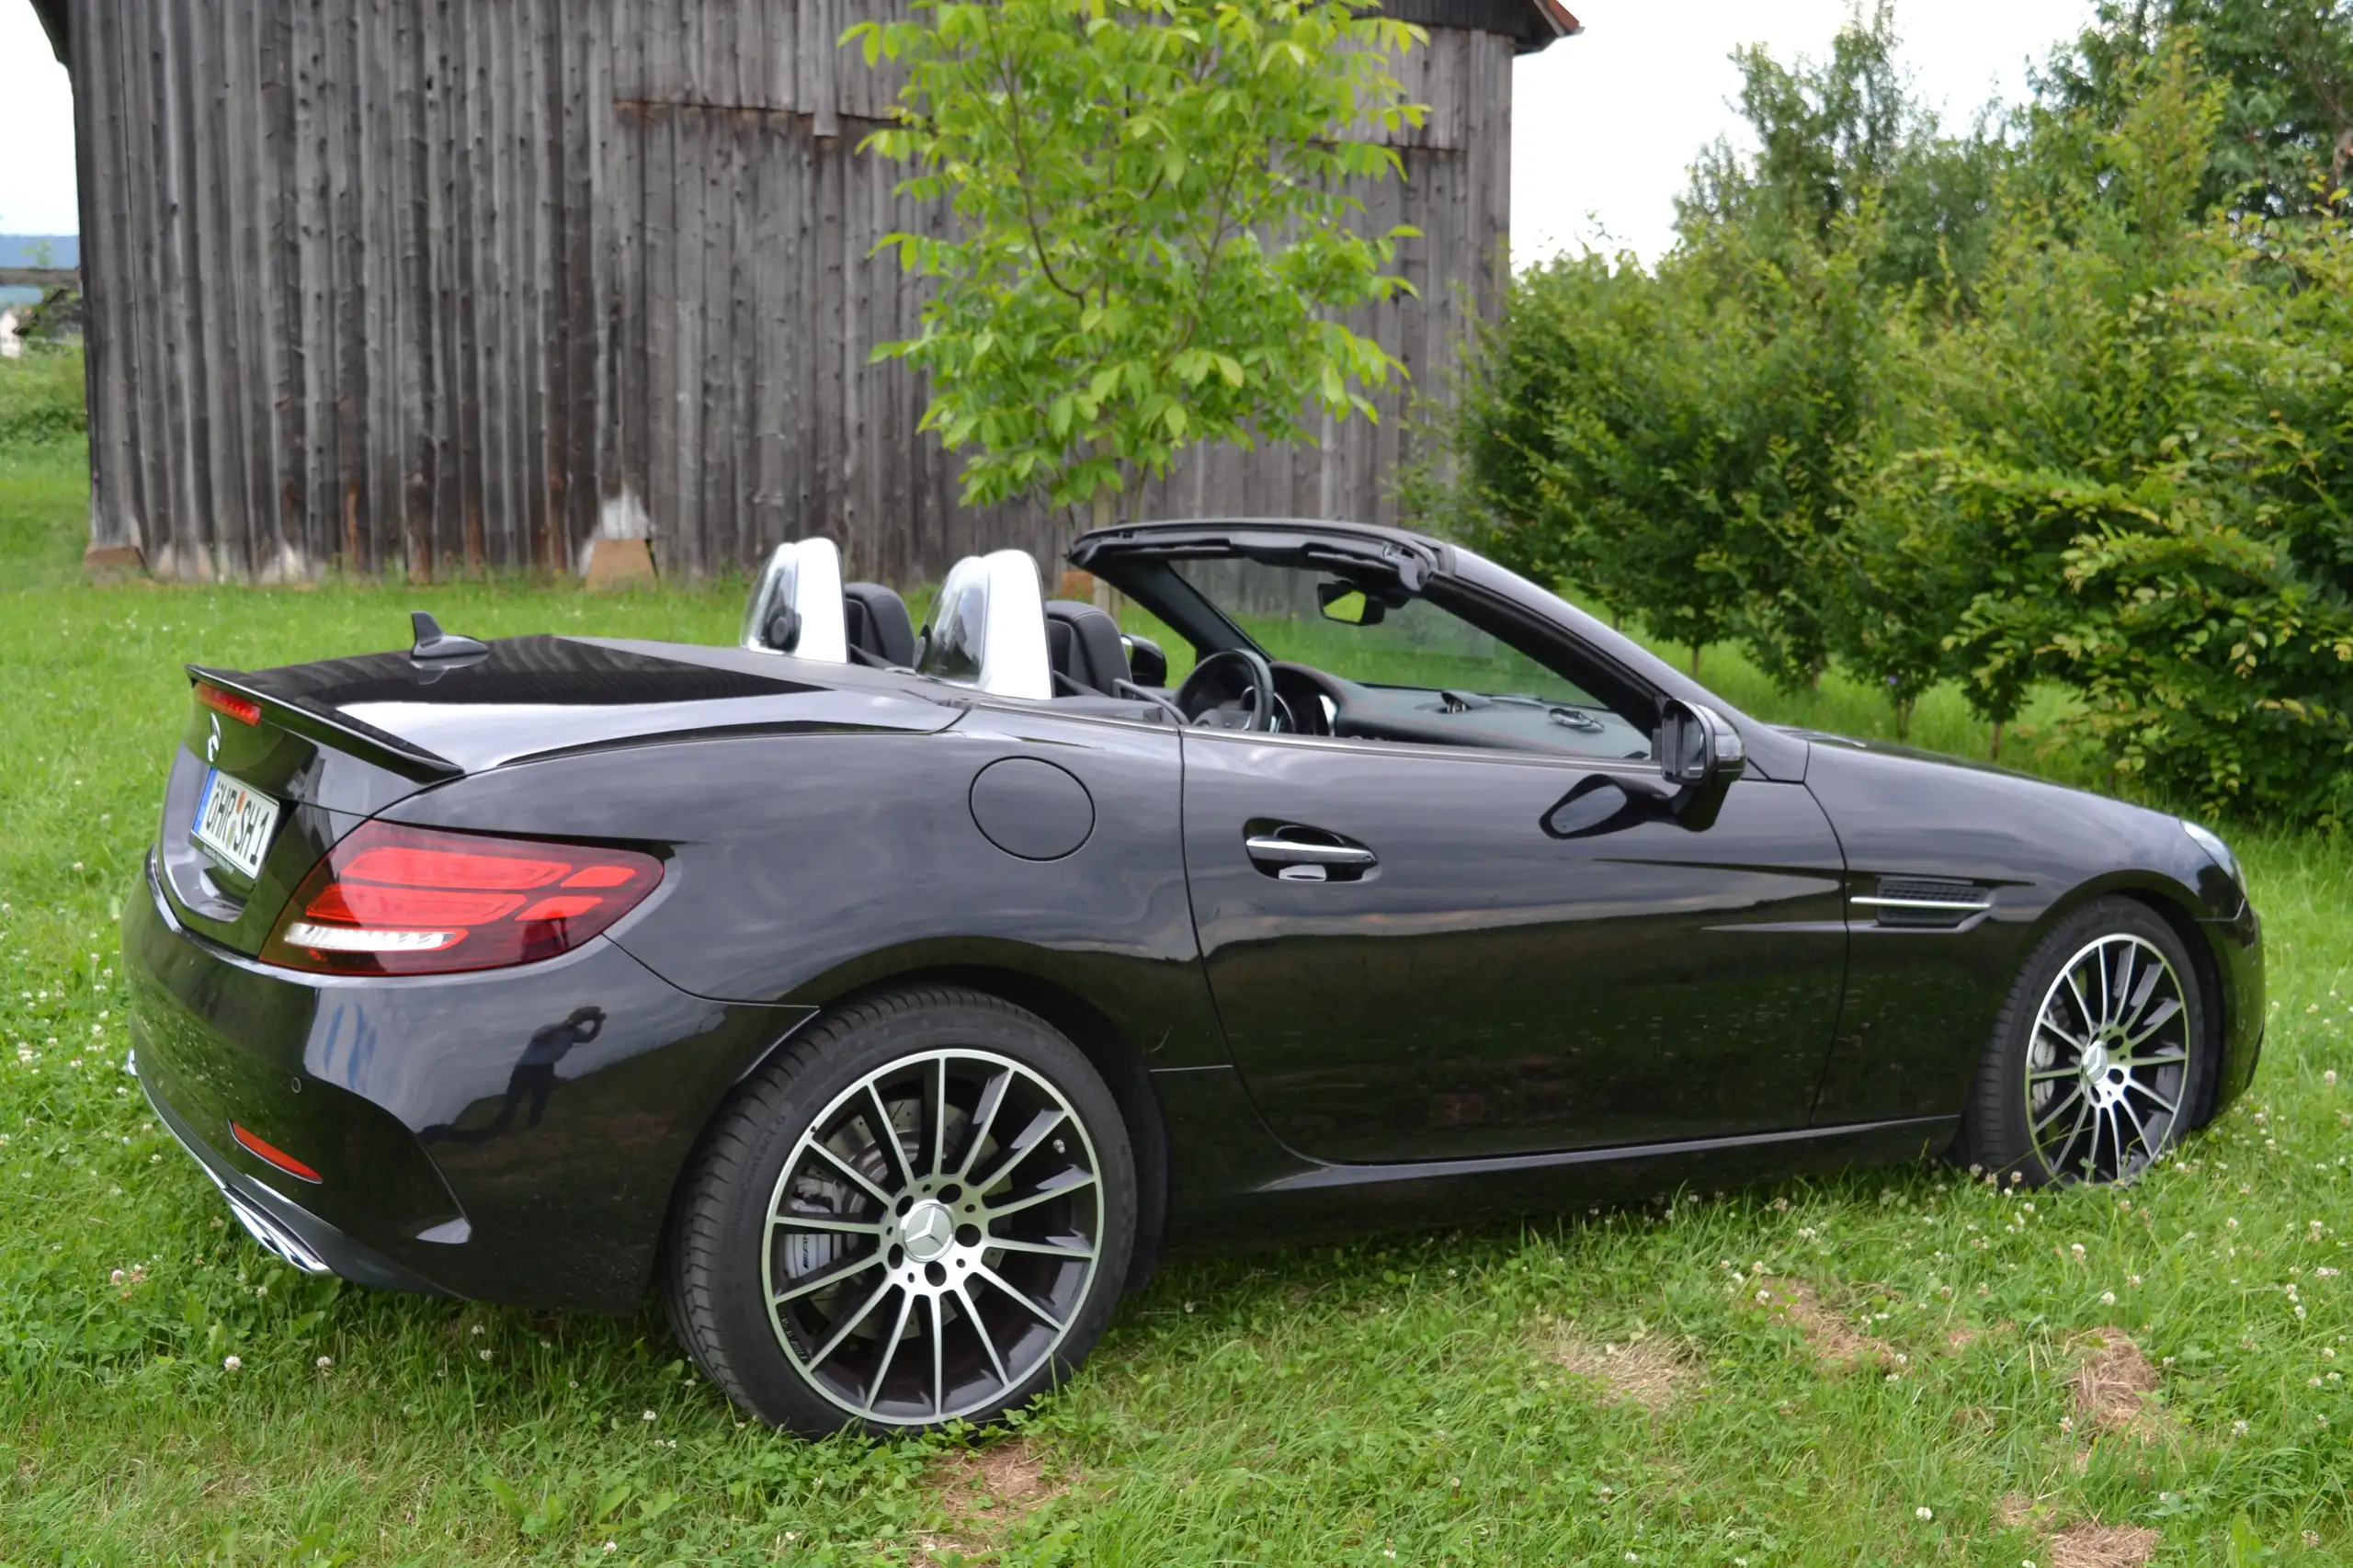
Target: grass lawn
<point x="1937" y="1372"/>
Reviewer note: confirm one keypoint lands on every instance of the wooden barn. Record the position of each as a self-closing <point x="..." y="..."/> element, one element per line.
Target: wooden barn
<point x="436" y="286"/>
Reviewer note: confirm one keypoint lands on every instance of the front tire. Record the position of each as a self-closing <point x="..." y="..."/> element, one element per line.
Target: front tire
<point x="2100" y="1055"/>
<point x="920" y="1210"/>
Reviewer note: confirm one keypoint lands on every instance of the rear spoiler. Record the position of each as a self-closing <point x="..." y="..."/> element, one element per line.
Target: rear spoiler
<point x="348" y="734"/>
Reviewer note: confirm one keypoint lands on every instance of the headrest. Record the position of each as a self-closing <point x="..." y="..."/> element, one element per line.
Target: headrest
<point x="876" y="617"/>
<point x="1084" y="641"/>
<point x="988" y="627"/>
<point x="796" y="606"/>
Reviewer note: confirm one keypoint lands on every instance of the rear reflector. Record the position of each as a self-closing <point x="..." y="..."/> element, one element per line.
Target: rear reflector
<point x="392" y="900"/>
<point x="270" y="1154"/>
<point x="244" y="709"/>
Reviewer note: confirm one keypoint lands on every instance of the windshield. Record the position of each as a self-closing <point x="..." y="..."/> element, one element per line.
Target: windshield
<point x="1400" y="642"/>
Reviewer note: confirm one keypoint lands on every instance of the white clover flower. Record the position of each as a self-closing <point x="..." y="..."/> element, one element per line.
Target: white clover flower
<point x="324" y="1362"/>
<point x="2107" y="1297"/>
<point x="230" y="1363"/>
<point x="2238" y="1428"/>
<point x="650" y="1415"/>
<point x="1924" y="1515"/>
<point x="2078" y="1250"/>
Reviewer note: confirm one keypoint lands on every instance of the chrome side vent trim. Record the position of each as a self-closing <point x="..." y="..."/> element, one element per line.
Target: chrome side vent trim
<point x="1922" y="904"/>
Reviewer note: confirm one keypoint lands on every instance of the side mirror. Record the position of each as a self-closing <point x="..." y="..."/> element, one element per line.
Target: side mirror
<point x="1147" y="663"/>
<point x="1349" y="604"/>
<point x="1699" y="755"/>
<point x="1698" y="748"/>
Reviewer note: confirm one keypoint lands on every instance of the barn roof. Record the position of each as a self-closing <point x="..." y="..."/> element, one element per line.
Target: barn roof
<point x="1529" y="24"/>
<point x="53" y="22"/>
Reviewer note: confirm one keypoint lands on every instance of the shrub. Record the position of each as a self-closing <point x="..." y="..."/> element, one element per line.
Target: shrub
<point x="42" y="398"/>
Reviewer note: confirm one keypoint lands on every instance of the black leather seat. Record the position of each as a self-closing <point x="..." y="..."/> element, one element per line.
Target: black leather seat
<point x="1083" y="644"/>
<point x="879" y="631"/>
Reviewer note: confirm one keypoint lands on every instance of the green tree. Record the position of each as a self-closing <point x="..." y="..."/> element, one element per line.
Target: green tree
<point x="2131" y="467"/>
<point x="1839" y="135"/>
<point x="1154" y="236"/>
<point x="2282" y="137"/>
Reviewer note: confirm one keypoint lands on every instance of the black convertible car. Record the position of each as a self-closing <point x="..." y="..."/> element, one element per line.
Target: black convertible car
<point x="891" y="1000"/>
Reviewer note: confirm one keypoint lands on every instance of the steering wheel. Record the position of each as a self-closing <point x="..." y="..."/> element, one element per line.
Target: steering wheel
<point x="1228" y="676"/>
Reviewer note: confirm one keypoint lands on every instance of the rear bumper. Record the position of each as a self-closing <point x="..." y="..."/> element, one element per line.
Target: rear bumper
<point x="512" y="1135"/>
<point x="284" y="1227"/>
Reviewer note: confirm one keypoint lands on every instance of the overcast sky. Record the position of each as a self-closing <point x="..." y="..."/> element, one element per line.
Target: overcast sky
<point x="1603" y="124"/>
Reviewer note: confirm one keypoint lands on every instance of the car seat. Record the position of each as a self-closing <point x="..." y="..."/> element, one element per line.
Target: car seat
<point x="880" y="633"/>
<point x="1084" y="647"/>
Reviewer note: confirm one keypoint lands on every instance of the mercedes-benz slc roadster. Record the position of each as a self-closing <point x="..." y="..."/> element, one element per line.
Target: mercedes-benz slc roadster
<point x="890" y="1001"/>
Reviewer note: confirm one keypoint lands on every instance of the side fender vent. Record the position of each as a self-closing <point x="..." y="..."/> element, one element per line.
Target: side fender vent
<point x="1923" y="904"/>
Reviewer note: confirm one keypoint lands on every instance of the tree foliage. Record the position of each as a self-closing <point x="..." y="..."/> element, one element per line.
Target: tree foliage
<point x="1154" y="236"/>
<point x="2283" y="132"/>
<point x="2115" y="451"/>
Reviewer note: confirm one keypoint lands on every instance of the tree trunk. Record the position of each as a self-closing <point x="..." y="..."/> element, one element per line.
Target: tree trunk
<point x="1996" y="754"/>
<point x="1695" y="660"/>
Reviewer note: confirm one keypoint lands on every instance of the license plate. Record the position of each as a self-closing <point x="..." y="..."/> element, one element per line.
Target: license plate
<point x="233" y="820"/>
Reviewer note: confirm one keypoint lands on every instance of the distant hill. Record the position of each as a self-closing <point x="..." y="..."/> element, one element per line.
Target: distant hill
<point x="26" y="250"/>
<point x="36" y="250"/>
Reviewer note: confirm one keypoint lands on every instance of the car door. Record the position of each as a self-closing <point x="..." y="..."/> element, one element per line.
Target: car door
<point x="1420" y="952"/>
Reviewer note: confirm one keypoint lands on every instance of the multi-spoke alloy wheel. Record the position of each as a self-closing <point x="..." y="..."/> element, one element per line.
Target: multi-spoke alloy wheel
<point x="2098" y="1061"/>
<point x="2110" y="1061"/>
<point x="921" y="1210"/>
<point x="931" y="1237"/>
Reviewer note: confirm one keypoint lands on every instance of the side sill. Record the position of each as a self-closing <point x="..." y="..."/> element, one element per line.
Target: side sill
<point x="1869" y="1139"/>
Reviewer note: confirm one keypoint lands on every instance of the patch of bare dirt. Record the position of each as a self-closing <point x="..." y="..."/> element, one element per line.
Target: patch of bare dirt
<point x="2095" y="1545"/>
<point x="1837" y="1344"/>
<point x="1644" y="1371"/>
<point x="2015" y="1510"/>
<point x="984" y="1491"/>
<point x="2112" y="1385"/>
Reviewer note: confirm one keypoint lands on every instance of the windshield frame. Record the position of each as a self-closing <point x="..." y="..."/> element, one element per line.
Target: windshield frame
<point x="1149" y="576"/>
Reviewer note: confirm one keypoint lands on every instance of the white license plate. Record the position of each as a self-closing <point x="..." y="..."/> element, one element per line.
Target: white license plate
<point x="235" y="821"/>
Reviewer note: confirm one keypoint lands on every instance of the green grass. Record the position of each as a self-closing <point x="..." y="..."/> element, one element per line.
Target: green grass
<point x="1329" y="1405"/>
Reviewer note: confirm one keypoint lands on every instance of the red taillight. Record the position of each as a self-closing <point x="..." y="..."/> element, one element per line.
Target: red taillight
<point x="392" y="900"/>
<point x="244" y="709"/>
<point x="272" y="1154"/>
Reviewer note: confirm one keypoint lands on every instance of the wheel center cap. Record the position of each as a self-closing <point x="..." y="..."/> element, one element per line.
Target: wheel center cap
<point x="927" y="1231"/>
<point x="2094" y="1061"/>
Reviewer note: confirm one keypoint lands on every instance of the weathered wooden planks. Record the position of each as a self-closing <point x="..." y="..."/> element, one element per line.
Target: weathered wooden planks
<point x="434" y="287"/>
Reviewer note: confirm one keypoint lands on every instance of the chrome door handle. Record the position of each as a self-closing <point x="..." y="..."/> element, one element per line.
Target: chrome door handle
<point x="1295" y="852"/>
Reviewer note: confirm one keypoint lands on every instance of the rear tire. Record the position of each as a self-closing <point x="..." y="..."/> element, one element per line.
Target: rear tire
<point x="826" y="1276"/>
<point x="2100" y="1059"/>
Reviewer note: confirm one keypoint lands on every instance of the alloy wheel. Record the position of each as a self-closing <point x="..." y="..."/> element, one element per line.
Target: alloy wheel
<point x="932" y="1237"/>
<point x="2109" y="1062"/>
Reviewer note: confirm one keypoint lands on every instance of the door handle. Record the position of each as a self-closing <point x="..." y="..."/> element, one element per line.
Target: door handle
<point x="1294" y="852"/>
